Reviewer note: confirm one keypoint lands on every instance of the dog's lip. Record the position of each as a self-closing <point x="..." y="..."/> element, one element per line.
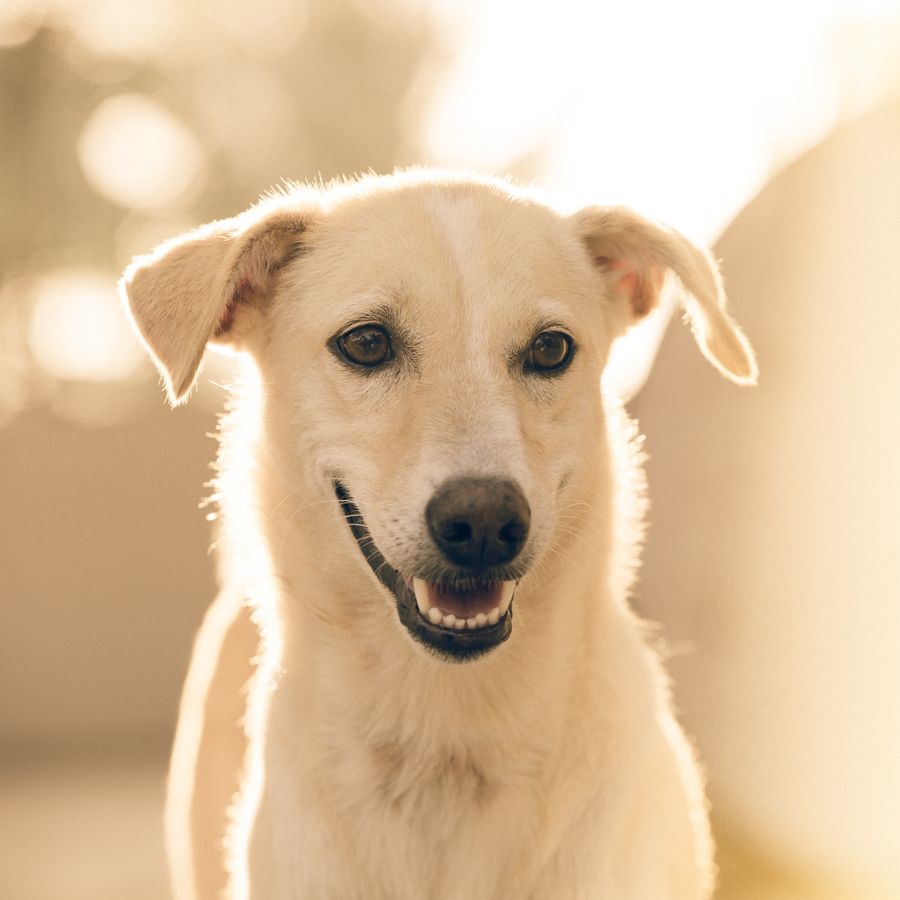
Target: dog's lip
<point x="452" y="643"/>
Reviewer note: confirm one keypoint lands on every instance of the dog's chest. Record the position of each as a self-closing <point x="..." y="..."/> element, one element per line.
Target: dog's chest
<point x="409" y="781"/>
<point x="440" y="823"/>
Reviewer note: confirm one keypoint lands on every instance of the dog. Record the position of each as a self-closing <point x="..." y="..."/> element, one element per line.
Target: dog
<point x="422" y="679"/>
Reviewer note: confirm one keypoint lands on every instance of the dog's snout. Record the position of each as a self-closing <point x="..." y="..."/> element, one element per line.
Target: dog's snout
<point x="479" y="521"/>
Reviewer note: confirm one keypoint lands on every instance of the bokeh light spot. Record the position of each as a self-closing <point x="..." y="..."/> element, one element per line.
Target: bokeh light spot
<point x="78" y="330"/>
<point x="137" y="154"/>
<point x="138" y="28"/>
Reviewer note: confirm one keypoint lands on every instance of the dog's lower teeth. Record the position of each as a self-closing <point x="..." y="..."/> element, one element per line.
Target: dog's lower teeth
<point x="457" y="623"/>
<point x="449" y="620"/>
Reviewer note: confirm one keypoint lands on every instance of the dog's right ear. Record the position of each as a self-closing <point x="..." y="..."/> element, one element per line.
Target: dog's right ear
<point x="211" y="284"/>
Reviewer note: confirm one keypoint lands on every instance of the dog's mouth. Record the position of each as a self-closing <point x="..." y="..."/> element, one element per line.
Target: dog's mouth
<point x="459" y="620"/>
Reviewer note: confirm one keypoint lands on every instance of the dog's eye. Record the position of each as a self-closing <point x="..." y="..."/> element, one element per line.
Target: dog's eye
<point x="366" y="345"/>
<point x="550" y="351"/>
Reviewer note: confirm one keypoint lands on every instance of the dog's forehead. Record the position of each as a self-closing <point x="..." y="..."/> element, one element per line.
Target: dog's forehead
<point x="450" y="250"/>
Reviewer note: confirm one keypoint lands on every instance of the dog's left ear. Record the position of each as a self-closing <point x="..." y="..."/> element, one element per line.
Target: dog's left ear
<point x="211" y="285"/>
<point x="637" y="254"/>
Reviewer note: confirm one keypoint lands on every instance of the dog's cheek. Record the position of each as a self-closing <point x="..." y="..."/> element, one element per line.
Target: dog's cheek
<point x="578" y="431"/>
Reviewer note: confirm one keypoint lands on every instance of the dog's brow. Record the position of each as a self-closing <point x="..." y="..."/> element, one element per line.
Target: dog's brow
<point x="542" y="315"/>
<point x="549" y="309"/>
<point x="370" y="306"/>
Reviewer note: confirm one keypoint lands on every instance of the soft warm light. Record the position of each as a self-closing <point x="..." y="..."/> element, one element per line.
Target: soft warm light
<point x="679" y="110"/>
<point x="136" y="153"/>
<point x="13" y="362"/>
<point x="78" y="330"/>
<point x="267" y="107"/>
<point x="19" y="20"/>
<point x="264" y="30"/>
<point x="132" y="29"/>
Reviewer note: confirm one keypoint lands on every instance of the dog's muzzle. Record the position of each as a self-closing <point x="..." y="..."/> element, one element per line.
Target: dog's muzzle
<point x="479" y="526"/>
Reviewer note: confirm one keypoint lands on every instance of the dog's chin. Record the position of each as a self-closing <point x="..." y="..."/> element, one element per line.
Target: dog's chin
<point x="459" y="621"/>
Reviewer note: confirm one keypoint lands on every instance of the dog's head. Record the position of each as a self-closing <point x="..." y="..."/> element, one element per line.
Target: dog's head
<point x="430" y="350"/>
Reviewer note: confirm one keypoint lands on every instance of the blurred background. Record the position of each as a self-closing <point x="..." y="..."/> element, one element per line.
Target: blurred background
<point x="770" y="129"/>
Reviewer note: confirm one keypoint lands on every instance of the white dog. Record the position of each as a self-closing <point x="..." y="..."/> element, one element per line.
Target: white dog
<point x="433" y="515"/>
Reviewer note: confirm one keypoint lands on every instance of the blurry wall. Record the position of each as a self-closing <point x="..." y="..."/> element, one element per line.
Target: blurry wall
<point x="104" y="574"/>
<point x="773" y="549"/>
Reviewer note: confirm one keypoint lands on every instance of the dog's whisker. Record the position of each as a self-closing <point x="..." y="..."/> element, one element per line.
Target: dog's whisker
<point x="304" y="505"/>
<point x="283" y="500"/>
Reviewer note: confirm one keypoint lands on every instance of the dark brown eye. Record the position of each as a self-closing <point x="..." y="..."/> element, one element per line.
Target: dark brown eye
<point x="365" y="345"/>
<point x="550" y="351"/>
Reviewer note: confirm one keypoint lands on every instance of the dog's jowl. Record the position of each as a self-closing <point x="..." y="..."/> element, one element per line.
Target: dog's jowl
<point x="422" y="678"/>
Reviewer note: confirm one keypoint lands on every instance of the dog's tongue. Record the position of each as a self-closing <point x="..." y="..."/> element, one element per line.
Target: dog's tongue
<point x="465" y="603"/>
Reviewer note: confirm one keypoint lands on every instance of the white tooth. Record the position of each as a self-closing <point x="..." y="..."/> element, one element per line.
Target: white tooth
<point x="493" y="617"/>
<point x="460" y="624"/>
<point x="509" y="588"/>
<point x="473" y="622"/>
<point x="435" y="616"/>
<point x="480" y="620"/>
<point x="421" y="591"/>
<point x="449" y="620"/>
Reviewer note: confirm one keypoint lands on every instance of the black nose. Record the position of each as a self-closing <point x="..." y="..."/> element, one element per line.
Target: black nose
<point x="478" y="521"/>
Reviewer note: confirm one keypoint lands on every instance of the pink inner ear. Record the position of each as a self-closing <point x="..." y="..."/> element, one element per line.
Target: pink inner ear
<point x="226" y="320"/>
<point x="242" y="289"/>
<point x="641" y="289"/>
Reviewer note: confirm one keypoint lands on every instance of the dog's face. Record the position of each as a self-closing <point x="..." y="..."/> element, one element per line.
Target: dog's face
<point x="445" y="384"/>
<point x="431" y="352"/>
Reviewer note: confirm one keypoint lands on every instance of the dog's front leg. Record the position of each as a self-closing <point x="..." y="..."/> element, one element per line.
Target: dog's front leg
<point x="287" y="854"/>
<point x="208" y="755"/>
<point x="666" y="847"/>
<point x="299" y="845"/>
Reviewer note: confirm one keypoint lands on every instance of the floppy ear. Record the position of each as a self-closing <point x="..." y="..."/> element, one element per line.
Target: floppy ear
<point x="211" y="284"/>
<point x="637" y="255"/>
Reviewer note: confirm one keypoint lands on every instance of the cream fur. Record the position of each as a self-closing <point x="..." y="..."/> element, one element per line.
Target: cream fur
<point x="550" y="768"/>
